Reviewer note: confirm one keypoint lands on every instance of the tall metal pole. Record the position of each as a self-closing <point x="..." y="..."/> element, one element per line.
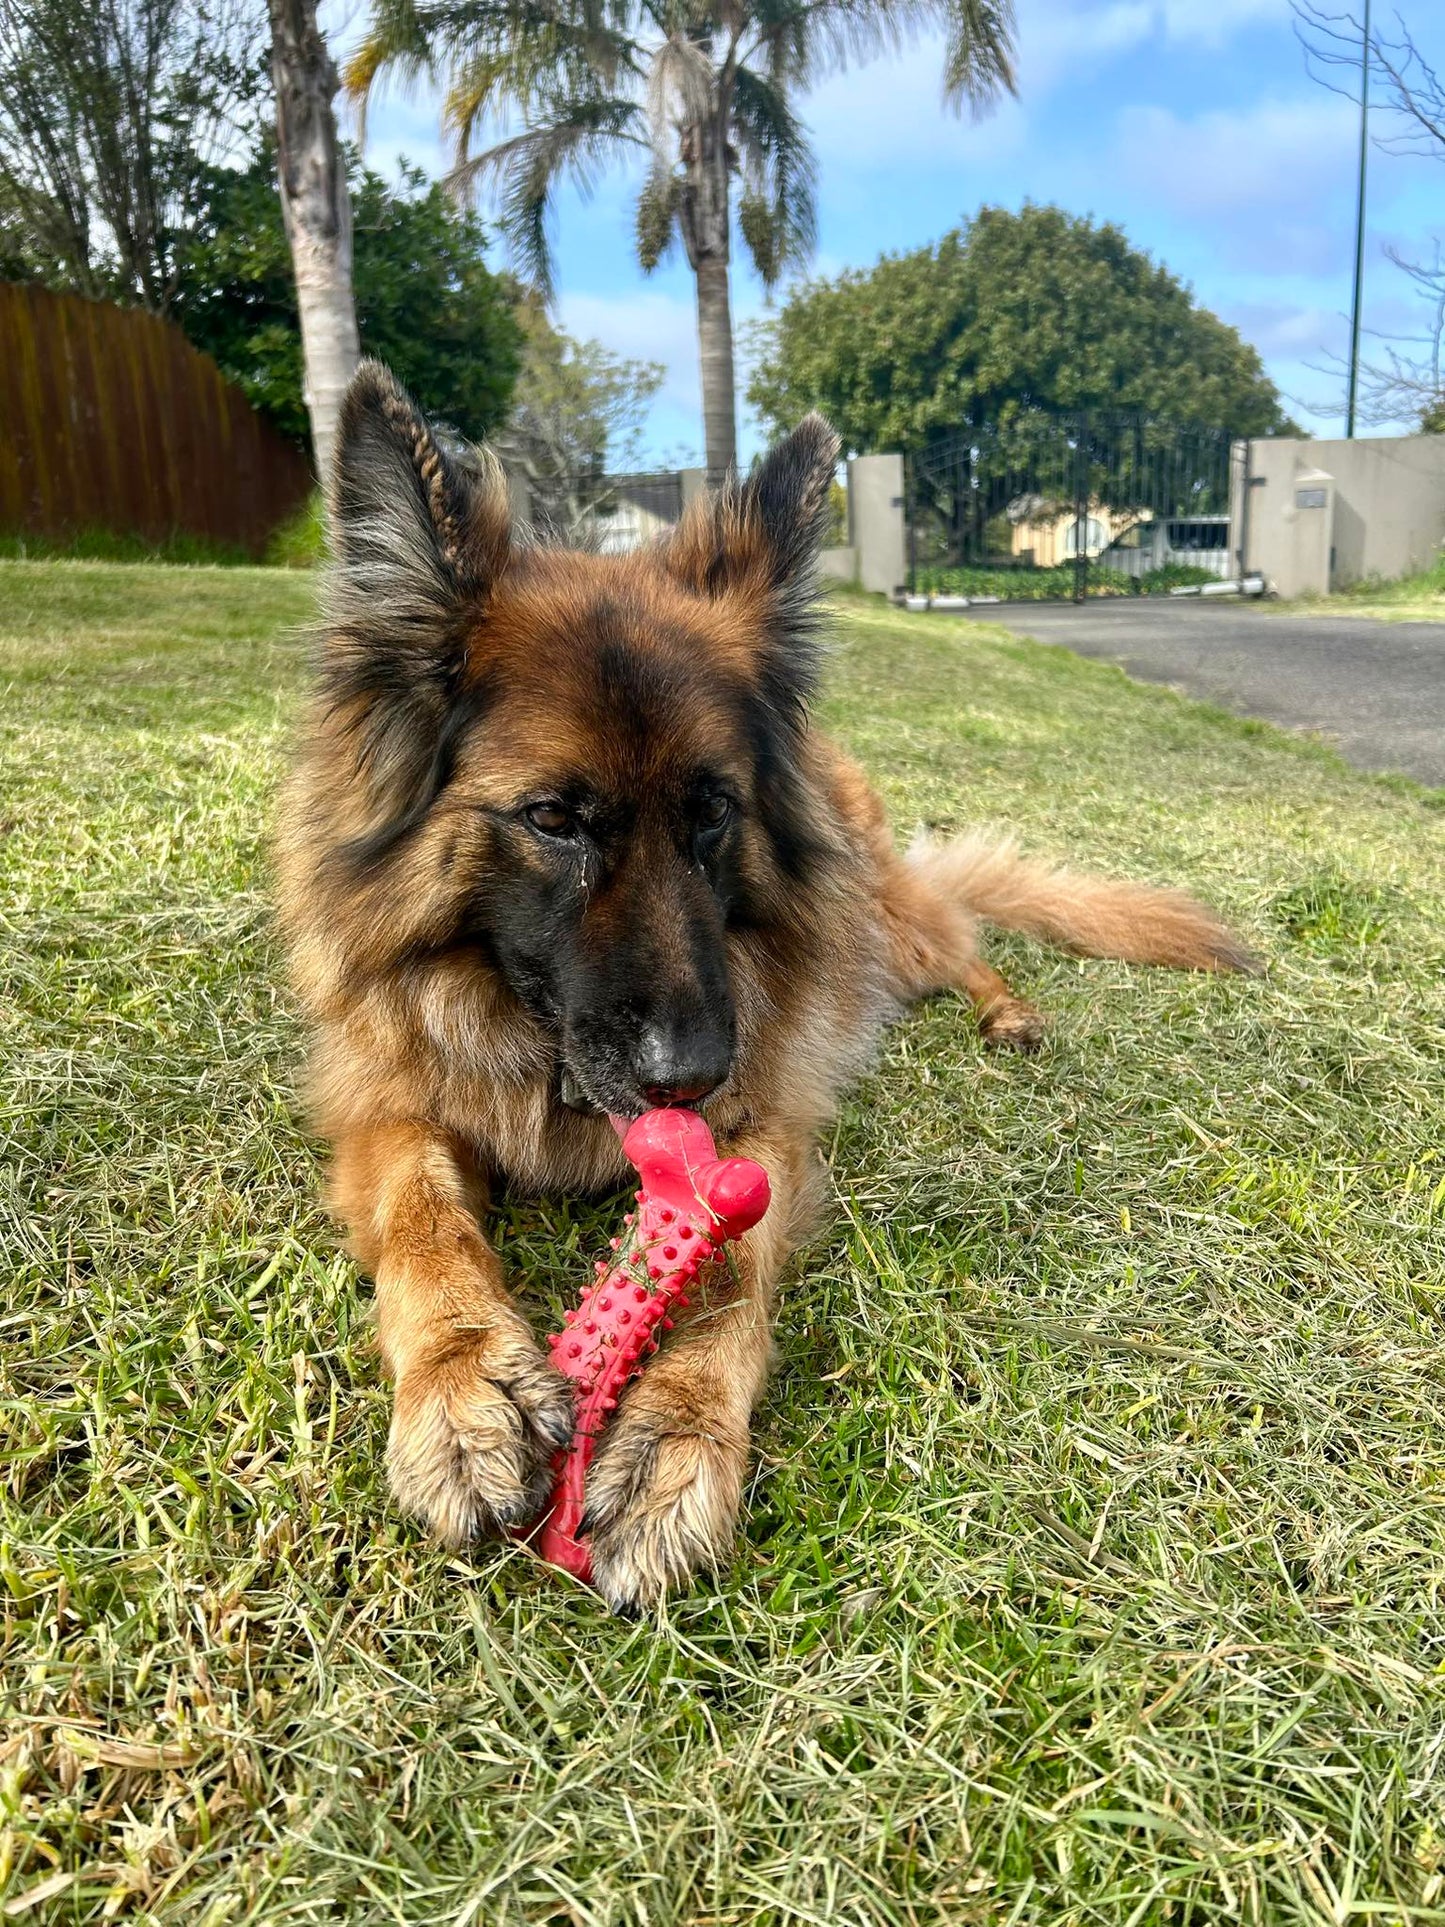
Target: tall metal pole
<point x="1081" y="512"/>
<point x="1359" y="227"/>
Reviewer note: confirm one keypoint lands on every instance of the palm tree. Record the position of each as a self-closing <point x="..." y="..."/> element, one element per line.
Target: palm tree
<point x="705" y="87"/>
<point x="316" y="208"/>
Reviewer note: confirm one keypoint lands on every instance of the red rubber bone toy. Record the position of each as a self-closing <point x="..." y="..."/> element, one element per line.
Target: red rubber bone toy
<point x="690" y="1205"/>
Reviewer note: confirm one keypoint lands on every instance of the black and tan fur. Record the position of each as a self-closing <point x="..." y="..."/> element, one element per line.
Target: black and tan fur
<point x="514" y="900"/>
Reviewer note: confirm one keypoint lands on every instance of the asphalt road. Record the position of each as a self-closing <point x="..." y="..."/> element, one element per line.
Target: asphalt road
<point x="1376" y="690"/>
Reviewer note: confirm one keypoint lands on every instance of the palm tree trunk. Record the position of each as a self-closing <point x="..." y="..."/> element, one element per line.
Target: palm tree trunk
<point x="715" y="355"/>
<point x="704" y="220"/>
<point x="317" y="210"/>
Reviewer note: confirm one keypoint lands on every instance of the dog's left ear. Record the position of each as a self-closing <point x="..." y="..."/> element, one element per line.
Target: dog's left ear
<point x="759" y="540"/>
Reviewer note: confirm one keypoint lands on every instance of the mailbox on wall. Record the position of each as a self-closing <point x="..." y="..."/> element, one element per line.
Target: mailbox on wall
<point x="1307" y="563"/>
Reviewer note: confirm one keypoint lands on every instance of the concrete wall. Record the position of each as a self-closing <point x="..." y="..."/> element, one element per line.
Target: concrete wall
<point x="838" y="565"/>
<point x="875" y="521"/>
<point x="1317" y="516"/>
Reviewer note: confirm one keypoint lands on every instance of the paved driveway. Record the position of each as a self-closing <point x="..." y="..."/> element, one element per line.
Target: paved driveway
<point x="1374" y="689"/>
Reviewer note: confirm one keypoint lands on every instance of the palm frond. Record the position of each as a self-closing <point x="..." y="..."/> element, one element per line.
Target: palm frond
<point x="657" y="208"/>
<point x="778" y="214"/>
<point x="574" y="144"/>
<point x="584" y="77"/>
<point x="396" y="44"/>
<point x="978" y="64"/>
<point x="524" y="51"/>
<point x="680" y="90"/>
<point x="802" y="44"/>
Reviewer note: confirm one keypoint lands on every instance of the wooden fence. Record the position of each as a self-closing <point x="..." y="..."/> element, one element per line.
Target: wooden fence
<point x="110" y="419"/>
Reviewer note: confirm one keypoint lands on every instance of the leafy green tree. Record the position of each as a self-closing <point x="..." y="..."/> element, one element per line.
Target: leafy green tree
<point x="427" y="303"/>
<point x="707" y="90"/>
<point x="1008" y="316"/>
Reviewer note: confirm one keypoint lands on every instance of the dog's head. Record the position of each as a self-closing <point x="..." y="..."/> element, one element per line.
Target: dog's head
<point x="582" y="771"/>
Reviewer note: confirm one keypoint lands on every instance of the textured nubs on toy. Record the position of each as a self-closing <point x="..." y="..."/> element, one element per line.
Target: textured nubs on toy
<point x="691" y="1203"/>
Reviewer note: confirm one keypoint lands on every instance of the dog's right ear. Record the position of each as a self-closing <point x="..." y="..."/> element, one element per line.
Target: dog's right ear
<point x="419" y="536"/>
<point x="759" y="540"/>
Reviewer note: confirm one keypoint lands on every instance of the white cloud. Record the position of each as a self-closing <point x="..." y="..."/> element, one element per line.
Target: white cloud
<point x="1060" y="39"/>
<point x="1287" y="330"/>
<point x="1264" y="188"/>
<point x="647" y="325"/>
<point x="889" y="114"/>
<point x="1216" y="24"/>
<point x="1282" y="158"/>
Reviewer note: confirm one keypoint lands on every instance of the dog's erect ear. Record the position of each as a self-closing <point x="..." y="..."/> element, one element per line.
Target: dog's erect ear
<point x="419" y="536"/>
<point x="760" y="539"/>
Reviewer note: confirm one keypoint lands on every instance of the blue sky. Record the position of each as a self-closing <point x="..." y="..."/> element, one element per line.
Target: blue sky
<point x="1192" y="123"/>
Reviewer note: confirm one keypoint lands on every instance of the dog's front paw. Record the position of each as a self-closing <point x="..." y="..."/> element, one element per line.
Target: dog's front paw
<point x="473" y="1434"/>
<point x="662" y="1497"/>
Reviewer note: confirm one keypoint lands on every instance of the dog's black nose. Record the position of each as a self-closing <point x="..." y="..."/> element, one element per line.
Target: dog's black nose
<point x="680" y="1066"/>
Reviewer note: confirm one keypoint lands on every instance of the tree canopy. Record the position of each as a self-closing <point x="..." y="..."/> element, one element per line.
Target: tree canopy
<point x="427" y="303"/>
<point x="1012" y="313"/>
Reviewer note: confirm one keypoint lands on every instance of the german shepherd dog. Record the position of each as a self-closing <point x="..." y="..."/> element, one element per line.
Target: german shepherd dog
<point x="563" y="841"/>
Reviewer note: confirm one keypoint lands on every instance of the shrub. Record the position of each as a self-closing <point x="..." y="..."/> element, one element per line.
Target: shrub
<point x="1020" y="585"/>
<point x="300" y="541"/>
<point x="1055" y="585"/>
<point x="1175" y="575"/>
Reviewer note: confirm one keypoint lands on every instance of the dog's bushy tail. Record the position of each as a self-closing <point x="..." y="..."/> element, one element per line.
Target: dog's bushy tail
<point x="989" y="878"/>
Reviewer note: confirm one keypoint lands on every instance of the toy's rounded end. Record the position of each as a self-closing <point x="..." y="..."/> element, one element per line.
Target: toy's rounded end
<point x="737" y="1192"/>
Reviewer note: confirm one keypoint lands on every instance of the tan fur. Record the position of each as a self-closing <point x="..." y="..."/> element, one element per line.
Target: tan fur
<point x="477" y="1414"/>
<point x="1137" y="923"/>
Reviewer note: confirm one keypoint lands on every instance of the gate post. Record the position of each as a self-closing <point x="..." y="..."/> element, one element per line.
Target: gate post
<point x="875" y="515"/>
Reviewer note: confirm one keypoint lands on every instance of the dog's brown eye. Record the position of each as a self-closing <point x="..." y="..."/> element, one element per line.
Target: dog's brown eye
<point x="715" y="811"/>
<point x="551" y="819"/>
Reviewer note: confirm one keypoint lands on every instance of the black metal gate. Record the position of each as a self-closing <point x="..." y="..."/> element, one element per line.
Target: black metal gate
<point x="1069" y="505"/>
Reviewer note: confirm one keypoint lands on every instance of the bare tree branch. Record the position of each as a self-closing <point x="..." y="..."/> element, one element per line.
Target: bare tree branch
<point x="112" y="115"/>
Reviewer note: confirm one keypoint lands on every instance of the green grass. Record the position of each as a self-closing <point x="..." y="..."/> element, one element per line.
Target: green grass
<point x="106" y="545"/>
<point x="1410" y="598"/>
<point x="297" y="543"/>
<point x="1094" y="1564"/>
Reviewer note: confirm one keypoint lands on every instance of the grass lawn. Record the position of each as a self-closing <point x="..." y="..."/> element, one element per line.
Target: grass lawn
<point x="1414" y="598"/>
<point x="1094" y="1566"/>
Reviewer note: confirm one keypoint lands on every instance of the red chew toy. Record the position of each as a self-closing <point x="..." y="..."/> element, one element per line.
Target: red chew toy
<point x="690" y="1205"/>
